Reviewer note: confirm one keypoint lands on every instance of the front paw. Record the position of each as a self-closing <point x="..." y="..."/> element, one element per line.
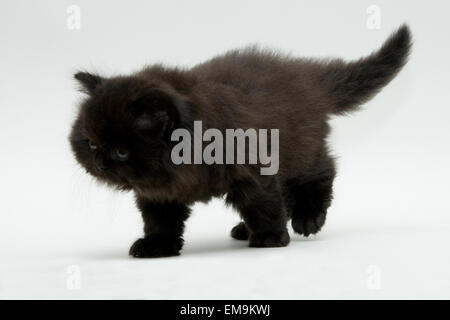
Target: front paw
<point x="153" y="247"/>
<point x="269" y="239"/>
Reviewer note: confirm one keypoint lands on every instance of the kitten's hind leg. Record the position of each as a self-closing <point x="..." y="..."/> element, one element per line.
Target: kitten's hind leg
<point x="261" y="206"/>
<point x="308" y="198"/>
<point x="240" y="231"/>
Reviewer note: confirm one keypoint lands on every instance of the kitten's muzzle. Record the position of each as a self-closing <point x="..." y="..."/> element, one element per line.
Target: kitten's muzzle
<point x="100" y="163"/>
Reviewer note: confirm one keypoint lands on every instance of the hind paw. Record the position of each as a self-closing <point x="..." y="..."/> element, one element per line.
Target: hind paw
<point x="309" y="225"/>
<point x="269" y="239"/>
<point x="240" y="232"/>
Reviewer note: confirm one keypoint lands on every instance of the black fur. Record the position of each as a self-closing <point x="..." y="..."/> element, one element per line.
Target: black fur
<point x="352" y="84"/>
<point x="122" y="137"/>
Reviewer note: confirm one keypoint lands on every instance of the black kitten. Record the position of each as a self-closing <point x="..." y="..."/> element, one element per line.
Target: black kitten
<point x="122" y="136"/>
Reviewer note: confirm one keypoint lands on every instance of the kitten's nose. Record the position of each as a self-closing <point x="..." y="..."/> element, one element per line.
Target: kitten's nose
<point x="100" y="163"/>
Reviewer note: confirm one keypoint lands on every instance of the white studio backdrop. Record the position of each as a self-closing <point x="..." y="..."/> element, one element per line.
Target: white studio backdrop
<point x="63" y="236"/>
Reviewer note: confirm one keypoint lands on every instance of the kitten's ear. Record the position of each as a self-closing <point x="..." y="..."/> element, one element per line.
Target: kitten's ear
<point x="88" y="81"/>
<point x="159" y="112"/>
<point x="159" y="120"/>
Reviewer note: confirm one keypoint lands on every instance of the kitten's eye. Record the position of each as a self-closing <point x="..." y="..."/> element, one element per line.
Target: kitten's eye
<point x="122" y="154"/>
<point x="92" y="145"/>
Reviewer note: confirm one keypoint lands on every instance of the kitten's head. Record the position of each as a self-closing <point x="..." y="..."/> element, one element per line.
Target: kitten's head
<point x="122" y="132"/>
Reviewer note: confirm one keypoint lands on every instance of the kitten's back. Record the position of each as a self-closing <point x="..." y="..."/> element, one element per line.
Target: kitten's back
<point x="269" y="76"/>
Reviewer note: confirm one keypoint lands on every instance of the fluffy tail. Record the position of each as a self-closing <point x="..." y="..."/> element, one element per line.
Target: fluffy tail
<point x="351" y="84"/>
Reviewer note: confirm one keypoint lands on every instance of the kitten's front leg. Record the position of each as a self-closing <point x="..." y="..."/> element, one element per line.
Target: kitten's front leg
<point x="163" y="228"/>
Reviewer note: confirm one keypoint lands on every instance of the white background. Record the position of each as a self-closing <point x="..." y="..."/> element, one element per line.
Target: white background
<point x="388" y="229"/>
